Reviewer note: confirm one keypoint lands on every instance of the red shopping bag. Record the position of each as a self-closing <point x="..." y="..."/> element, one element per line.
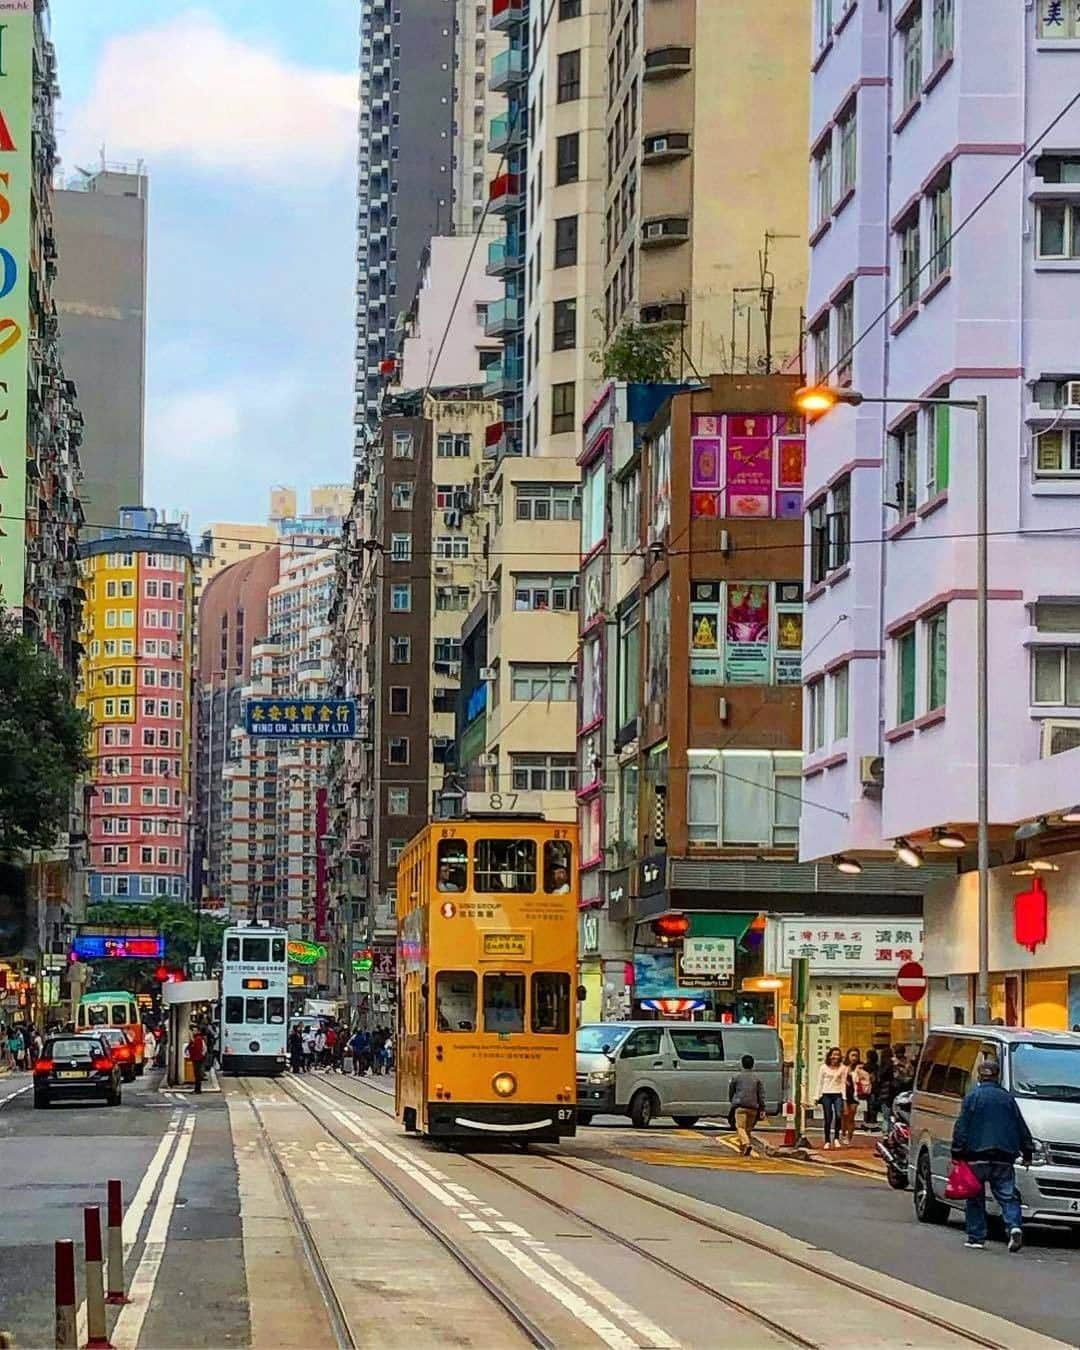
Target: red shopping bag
<point x="962" y="1183"/>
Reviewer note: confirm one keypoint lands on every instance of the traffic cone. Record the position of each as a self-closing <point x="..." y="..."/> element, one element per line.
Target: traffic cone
<point x="97" y="1337"/>
<point x="66" y="1338"/>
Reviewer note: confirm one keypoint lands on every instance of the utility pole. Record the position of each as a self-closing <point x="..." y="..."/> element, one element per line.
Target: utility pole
<point x="800" y="994"/>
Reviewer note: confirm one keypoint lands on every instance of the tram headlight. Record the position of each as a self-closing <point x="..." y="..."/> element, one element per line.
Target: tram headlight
<point x="602" y="1076"/>
<point x="505" y="1084"/>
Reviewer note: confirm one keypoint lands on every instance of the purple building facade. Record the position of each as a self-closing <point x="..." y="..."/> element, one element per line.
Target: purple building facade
<point x="918" y="112"/>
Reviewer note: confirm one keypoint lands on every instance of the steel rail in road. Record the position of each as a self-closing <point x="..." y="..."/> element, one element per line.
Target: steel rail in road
<point x="842" y="1281"/>
<point x="535" y="1335"/>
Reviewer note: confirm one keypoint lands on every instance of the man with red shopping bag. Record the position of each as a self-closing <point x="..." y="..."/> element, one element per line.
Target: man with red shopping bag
<point x="990" y="1133"/>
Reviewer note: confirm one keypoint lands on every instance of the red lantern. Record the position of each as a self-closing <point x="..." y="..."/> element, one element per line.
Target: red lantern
<point x="1029" y="916"/>
<point x="671" y="925"/>
<point x="161" y="974"/>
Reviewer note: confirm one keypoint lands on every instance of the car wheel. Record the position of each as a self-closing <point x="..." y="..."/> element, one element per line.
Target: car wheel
<point x="685" y="1122"/>
<point x="41" y="1102"/>
<point x="928" y="1208"/>
<point x="642" y="1108"/>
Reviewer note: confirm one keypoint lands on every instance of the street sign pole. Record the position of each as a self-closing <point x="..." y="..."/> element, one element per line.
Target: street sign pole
<point x="800" y="993"/>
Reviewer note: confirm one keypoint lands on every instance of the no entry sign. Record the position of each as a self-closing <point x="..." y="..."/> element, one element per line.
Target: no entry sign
<point x="911" y="982"/>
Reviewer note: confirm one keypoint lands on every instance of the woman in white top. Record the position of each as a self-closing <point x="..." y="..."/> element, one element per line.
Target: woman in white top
<point x="831" y="1089"/>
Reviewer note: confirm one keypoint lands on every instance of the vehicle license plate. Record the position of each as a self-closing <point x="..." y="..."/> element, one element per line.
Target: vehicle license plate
<point x="71" y="1073"/>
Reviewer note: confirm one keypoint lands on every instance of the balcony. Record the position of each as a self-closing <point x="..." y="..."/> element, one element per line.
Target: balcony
<point x="507" y="132"/>
<point x="504" y="378"/>
<point x="507" y="70"/>
<point x="502" y="439"/>
<point x="663" y="63"/>
<point x="503" y="257"/>
<point x="506" y="13"/>
<point x="504" y="316"/>
<point x="506" y="193"/>
<point x="662" y="231"/>
<point x="662" y="147"/>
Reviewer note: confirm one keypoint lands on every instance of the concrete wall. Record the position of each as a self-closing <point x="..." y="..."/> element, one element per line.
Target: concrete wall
<point x="101" y="297"/>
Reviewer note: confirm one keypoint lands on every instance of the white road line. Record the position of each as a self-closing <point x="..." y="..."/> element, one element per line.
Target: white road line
<point x="10" y="1097"/>
<point x="575" y="1279"/>
<point x="129" y="1325"/>
<point x="134" y="1215"/>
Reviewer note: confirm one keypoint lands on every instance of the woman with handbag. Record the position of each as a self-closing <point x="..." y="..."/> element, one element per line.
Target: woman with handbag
<point x="831" y="1091"/>
<point x="856" y="1093"/>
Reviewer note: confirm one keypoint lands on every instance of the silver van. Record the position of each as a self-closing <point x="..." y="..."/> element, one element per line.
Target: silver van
<point x="678" y="1069"/>
<point x="1042" y="1071"/>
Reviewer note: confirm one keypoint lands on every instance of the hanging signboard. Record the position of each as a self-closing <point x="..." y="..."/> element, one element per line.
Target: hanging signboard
<point x="708" y="962"/>
<point x="300" y="719"/>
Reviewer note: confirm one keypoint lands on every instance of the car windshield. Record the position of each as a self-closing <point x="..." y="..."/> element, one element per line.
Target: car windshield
<point x="76" y="1047"/>
<point x="591" y="1040"/>
<point x="1051" y="1072"/>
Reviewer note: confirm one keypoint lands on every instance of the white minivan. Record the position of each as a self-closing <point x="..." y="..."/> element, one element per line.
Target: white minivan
<point x="678" y="1069"/>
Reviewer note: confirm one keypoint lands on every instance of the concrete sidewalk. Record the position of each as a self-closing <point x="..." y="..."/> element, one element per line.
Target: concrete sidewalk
<point x="859" y="1157"/>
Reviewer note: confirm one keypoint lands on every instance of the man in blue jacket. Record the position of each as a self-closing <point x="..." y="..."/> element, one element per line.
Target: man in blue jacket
<point x="989" y="1134"/>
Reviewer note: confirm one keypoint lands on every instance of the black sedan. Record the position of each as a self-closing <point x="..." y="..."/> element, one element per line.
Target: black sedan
<point x="71" y="1068"/>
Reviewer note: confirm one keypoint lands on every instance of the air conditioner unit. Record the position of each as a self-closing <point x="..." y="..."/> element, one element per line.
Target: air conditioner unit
<point x="453" y="667"/>
<point x="657" y="145"/>
<point x="1058" y="736"/>
<point x="489" y="498"/>
<point x="1072" y="395"/>
<point x="489" y="674"/>
<point x="488" y="761"/>
<point x="489" y="588"/>
<point x="443" y="569"/>
<point x="442" y="742"/>
<point x="871" y="771"/>
<point x="654" y="229"/>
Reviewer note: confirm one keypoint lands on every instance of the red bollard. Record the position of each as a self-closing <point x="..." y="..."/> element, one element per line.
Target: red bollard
<point x="97" y="1332"/>
<point x="66" y="1334"/>
<point x="116" y="1293"/>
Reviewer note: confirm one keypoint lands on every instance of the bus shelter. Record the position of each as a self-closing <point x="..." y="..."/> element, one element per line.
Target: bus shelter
<point x="180" y="999"/>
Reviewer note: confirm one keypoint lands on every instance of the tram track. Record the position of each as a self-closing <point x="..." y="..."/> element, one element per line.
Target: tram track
<point x="961" y="1333"/>
<point x="533" y="1333"/>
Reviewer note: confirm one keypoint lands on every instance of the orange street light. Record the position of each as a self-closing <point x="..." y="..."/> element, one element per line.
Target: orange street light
<point x="822" y="398"/>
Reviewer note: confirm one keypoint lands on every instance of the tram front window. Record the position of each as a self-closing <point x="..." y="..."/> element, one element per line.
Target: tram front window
<point x="504" y="865"/>
<point x="256" y="1010"/>
<point x="455" y="1000"/>
<point x="256" y="949"/>
<point x="551" y="1003"/>
<point x="453" y="865"/>
<point x="504" y="1003"/>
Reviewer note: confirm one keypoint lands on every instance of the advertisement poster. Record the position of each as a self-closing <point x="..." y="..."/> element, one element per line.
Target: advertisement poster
<point x="705" y="645"/>
<point x="791" y="463"/>
<point x="789" y="639"/>
<point x="655" y="976"/>
<point x="747" y="646"/>
<point x="705" y="454"/>
<point x="16" y="95"/>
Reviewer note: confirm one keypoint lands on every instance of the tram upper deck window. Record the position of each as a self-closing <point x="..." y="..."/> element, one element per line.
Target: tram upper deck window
<point x="279" y="949"/>
<point x="455" y="1000"/>
<point x="256" y="949"/>
<point x="232" y="949"/>
<point x="504" y="1002"/>
<point x="453" y="865"/>
<point x="557" y="867"/>
<point x="505" y="865"/>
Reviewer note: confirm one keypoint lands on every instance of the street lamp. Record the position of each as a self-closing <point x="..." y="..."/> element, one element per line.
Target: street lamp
<point x="817" y="400"/>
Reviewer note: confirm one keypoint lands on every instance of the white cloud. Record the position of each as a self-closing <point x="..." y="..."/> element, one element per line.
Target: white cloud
<point x="192" y="429"/>
<point x="187" y="90"/>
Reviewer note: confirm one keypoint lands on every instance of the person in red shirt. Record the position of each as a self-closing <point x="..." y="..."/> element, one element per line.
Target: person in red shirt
<point x="196" y="1048"/>
<point x="331" y="1047"/>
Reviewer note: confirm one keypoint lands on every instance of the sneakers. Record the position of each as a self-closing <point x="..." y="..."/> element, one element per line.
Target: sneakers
<point x="974" y="1246"/>
<point x="1016" y="1239"/>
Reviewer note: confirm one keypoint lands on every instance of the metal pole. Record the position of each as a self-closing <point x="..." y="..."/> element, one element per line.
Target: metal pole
<point x="349" y="933"/>
<point x="982" y="712"/>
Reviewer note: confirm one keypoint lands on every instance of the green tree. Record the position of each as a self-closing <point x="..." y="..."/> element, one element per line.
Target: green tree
<point x="43" y="739"/>
<point x="640" y="354"/>
<point x="181" y="927"/>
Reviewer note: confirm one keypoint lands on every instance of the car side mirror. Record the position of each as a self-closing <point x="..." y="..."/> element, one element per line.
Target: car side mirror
<point x="582" y="993"/>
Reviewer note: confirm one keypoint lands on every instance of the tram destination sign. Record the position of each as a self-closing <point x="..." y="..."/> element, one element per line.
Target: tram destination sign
<point x="301" y="719"/>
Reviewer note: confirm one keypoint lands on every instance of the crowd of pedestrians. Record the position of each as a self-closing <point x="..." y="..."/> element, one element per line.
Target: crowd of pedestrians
<point x="847" y="1082"/>
<point x="326" y="1044"/>
<point x="21" y="1043"/>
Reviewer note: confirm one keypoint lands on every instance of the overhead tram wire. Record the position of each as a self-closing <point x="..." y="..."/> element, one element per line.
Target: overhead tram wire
<point x="1016" y="164"/>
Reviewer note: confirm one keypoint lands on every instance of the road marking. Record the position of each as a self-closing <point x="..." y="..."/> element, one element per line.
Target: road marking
<point x="10" y="1097"/>
<point x="562" y="1290"/>
<point x="129" y="1325"/>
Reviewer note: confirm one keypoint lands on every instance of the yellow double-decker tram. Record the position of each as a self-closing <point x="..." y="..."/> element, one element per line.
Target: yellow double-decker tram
<point x="487" y="977"/>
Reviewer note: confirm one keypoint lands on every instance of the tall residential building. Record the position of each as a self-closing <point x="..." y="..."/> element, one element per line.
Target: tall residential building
<point x="909" y="135"/>
<point x="404" y="171"/>
<point x="274" y="793"/>
<point x="101" y="233"/>
<point x="704" y="226"/>
<point x="136" y="684"/>
<point x="232" y="618"/>
<point x="474" y="103"/>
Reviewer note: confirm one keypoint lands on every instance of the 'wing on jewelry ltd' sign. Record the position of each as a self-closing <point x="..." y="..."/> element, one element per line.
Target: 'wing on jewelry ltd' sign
<point x="301" y="719"/>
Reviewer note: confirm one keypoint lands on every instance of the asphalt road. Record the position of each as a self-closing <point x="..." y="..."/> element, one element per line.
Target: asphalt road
<point x="52" y="1163"/>
<point x="863" y="1220"/>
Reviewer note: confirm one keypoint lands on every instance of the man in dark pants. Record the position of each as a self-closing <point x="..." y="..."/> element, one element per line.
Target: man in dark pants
<point x="990" y="1132"/>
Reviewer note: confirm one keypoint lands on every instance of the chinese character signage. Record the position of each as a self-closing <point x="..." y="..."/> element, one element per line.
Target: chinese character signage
<point x="286" y="719"/>
<point x="747" y="465"/>
<point x="853" y="946"/>
<point x="16" y="89"/>
<point x="708" y="962"/>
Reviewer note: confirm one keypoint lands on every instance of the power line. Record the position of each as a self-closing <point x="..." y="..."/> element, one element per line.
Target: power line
<point x="935" y="256"/>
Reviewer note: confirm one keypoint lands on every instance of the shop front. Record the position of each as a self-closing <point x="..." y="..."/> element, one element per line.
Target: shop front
<point x="853" y="966"/>
<point x="702" y="965"/>
<point x="1034" y="945"/>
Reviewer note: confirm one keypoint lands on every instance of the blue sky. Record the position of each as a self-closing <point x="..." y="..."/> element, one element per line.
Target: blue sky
<point x="244" y="113"/>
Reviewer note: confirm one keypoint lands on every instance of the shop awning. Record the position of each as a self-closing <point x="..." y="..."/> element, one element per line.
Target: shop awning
<point x="720" y="925"/>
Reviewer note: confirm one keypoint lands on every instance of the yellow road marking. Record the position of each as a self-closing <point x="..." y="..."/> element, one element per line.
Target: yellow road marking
<point x="667" y="1158"/>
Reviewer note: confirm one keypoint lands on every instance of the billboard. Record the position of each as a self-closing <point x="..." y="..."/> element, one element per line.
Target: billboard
<point x="301" y="719"/>
<point x="16" y="101"/>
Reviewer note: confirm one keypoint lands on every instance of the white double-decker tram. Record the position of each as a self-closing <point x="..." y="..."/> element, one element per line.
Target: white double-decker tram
<point x="254" y="993"/>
